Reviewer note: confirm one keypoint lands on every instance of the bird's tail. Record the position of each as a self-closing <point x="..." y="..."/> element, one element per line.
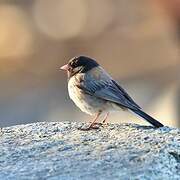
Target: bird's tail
<point x="148" y="118"/>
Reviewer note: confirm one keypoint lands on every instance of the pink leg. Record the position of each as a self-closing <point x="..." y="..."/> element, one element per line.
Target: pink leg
<point x="91" y="126"/>
<point x="95" y="119"/>
<point x="105" y="118"/>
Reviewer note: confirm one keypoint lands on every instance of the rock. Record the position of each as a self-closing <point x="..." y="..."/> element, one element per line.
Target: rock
<point x="58" y="150"/>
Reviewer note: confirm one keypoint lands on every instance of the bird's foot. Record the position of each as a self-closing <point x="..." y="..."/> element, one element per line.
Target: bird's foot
<point x="90" y="127"/>
<point x="94" y="126"/>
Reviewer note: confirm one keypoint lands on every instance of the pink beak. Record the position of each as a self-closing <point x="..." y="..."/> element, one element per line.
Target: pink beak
<point x="65" y="67"/>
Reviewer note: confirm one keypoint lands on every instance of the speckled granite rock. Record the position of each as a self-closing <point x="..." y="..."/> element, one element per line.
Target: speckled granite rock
<point x="61" y="151"/>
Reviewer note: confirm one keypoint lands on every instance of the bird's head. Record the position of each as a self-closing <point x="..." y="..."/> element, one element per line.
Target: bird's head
<point x="80" y="64"/>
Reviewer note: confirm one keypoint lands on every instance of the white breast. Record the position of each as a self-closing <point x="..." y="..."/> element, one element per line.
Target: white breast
<point x="73" y="92"/>
<point x="88" y="104"/>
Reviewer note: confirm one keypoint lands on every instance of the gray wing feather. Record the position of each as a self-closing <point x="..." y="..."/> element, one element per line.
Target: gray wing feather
<point x="109" y="90"/>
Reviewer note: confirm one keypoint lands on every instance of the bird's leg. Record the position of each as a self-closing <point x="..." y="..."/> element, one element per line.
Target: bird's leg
<point x="105" y="118"/>
<point x="94" y="120"/>
<point x="91" y="126"/>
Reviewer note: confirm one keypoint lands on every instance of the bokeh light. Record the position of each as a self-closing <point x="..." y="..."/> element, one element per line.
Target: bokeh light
<point x="100" y="15"/>
<point x="15" y="35"/>
<point x="60" y="19"/>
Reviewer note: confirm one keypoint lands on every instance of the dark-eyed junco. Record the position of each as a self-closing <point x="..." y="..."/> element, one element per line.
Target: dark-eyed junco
<point x="95" y="92"/>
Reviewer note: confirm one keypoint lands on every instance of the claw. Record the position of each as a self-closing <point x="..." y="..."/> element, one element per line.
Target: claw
<point x="88" y="128"/>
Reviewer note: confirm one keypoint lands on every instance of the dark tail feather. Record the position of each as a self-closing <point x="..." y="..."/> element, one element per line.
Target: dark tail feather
<point x="148" y="118"/>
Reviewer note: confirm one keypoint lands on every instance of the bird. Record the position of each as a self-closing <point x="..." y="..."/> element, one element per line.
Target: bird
<point x="95" y="92"/>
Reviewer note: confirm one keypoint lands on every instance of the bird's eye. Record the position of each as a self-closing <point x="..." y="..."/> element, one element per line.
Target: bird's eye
<point x="74" y="63"/>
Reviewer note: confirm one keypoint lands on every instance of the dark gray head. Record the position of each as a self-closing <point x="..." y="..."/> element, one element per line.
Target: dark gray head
<point x="80" y="64"/>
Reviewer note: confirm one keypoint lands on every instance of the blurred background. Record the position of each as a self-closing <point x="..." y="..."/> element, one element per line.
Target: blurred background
<point x="137" y="42"/>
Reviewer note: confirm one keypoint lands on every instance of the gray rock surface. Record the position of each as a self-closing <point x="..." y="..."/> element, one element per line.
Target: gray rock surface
<point x="61" y="151"/>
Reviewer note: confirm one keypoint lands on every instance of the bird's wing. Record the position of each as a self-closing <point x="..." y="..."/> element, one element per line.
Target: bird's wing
<point x="109" y="90"/>
<point x="125" y="93"/>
